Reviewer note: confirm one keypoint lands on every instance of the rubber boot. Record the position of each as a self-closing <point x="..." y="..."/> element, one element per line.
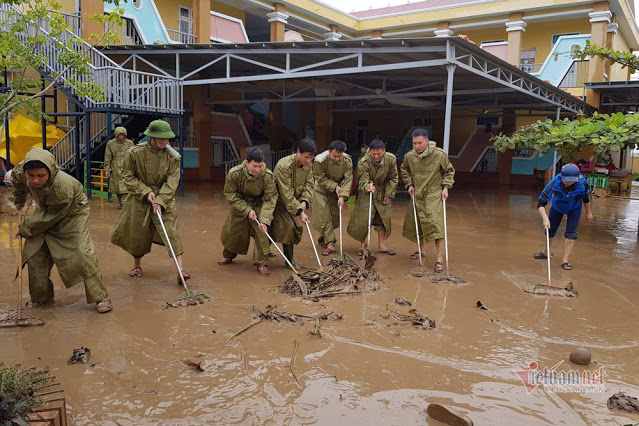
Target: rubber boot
<point x="288" y="252"/>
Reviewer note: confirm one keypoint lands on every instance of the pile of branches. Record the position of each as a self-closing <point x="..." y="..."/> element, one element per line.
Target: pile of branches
<point x="272" y="315"/>
<point x="414" y="318"/>
<point x="337" y="278"/>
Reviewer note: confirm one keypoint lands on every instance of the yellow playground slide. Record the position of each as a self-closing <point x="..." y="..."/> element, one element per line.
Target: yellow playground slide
<point x="24" y="134"/>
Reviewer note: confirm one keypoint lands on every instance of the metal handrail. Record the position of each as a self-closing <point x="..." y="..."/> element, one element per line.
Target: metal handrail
<point x="181" y="37"/>
<point x="118" y="83"/>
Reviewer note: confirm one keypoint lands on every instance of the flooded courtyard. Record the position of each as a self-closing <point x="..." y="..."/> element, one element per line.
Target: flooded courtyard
<point x="369" y="367"/>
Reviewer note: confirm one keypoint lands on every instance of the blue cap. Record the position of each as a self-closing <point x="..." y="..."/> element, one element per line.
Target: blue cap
<point x="570" y="173"/>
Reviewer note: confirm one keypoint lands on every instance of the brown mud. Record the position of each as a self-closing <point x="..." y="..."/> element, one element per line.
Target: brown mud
<point x="546" y="290"/>
<point x="364" y="369"/>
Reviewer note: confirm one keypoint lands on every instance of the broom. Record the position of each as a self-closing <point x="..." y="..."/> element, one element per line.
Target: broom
<point x="18" y="318"/>
<point x="192" y="298"/>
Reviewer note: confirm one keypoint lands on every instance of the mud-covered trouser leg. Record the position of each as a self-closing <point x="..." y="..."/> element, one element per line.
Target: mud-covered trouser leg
<point x="288" y="251"/>
<point x="40" y="285"/>
<point x="328" y="233"/>
<point x="260" y="246"/>
<point x="94" y="288"/>
<point x="229" y="254"/>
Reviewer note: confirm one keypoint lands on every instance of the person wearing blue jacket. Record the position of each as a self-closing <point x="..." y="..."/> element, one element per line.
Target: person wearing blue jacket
<point x="566" y="192"/>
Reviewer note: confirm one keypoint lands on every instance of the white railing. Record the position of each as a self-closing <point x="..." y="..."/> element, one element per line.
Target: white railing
<point x="122" y="87"/>
<point x="64" y="150"/>
<point x="224" y="151"/>
<point x="271" y="158"/>
<point x="73" y="21"/>
<point x="180" y="37"/>
<point x="228" y="165"/>
<point x="127" y="33"/>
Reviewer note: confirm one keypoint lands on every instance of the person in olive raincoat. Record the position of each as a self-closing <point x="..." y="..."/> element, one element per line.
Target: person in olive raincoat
<point x="114" y="155"/>
<point x="377" y="172"/>
<point x="294" y="181"/>
<point x="151" y="174"/>
<point x="58" y="232"/>
<point x="333" y="170"/>
<point x="428" y="175"/>
<point x="251" y="192"/>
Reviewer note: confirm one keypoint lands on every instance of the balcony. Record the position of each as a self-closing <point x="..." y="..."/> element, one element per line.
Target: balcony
<point x="180" y="37"/>
<point x="576" y="76"/>
<point x="127" y="33"/>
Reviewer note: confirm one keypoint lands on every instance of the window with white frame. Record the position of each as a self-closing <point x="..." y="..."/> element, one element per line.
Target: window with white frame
<point x="528" y="59"/>
<point x="185" y="22"/>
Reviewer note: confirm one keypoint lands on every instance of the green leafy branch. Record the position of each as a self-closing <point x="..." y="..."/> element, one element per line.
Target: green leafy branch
<point x="605" y="132"/>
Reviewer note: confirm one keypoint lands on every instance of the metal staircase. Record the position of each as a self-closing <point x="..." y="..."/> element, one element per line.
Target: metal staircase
<point x="125" y="92"/>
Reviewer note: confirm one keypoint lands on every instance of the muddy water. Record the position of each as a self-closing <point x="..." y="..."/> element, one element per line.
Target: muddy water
<point x="365" y="369"/>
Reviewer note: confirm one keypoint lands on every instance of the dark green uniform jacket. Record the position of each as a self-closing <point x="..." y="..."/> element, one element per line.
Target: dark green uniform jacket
<point x="148" y="170"/>
<point x="429" y="172"/>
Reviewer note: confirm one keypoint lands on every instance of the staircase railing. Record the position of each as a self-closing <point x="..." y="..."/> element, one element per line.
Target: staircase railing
<point x="118" y="83"/>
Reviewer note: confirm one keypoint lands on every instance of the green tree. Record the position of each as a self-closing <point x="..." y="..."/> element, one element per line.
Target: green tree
<point x="605" y="132"/>
<point x="25" y="46"/>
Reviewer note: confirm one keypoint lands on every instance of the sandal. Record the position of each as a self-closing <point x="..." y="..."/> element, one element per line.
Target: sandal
<point x="30" y="305"/>
<point x="120" y="207"/>
<point x="225" y="261"/>
<point x="104" y="306"/>
<point x="263" y="270"/>
<point x="328" y="250"/>
<point x="439" y="267"/>
<point x="387" y="251"/>
<point x="185" y="275"/>
<point x="567" y="266"/>
<point x="136" y="272"/>
<point x="271" y="254"/>
<point x="540" y="255"/>
<point x="415" y="256"/>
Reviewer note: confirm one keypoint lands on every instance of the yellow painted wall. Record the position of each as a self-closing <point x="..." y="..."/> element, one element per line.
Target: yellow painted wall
<point x="539" y="34"/>
<point x="228" y="10"/>
<point x="68" y="6"/>
<point x="616" y="72"/>
<point x="169" y="11"/>
<point x="485" y="34"/>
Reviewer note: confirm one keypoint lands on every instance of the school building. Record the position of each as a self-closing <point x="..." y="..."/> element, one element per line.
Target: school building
<point x="231" y="74"/>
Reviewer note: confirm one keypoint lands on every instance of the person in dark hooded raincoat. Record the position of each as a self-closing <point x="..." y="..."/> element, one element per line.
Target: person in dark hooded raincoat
<point x="294" y="181"/>
<point x="151" y="175"/>
<point x="114" y="156"/>
<point x="377" y="172"/>
<point x="58" y="232"/>
<point x="428" y="175"/>
<point x="333" y="170"/>
<point x="251" y="192"/>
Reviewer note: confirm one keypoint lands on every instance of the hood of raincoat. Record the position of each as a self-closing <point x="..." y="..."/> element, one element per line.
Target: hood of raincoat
<point x="118" y="131"/>
<point x="39" y="154"/>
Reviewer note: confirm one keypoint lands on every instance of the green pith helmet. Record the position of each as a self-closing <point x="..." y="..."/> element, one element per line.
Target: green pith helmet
<point x="159" y="129"/>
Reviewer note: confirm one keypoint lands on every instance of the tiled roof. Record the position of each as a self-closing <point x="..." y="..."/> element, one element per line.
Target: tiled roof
<point x="409" y="7"/>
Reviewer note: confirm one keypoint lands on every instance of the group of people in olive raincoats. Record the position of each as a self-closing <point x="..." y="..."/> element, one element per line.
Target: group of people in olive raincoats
<point x="58" y="233"/>
<point x="114" y="155"/>
<point x="263" y="204"/>
<point x="298" y="181"/>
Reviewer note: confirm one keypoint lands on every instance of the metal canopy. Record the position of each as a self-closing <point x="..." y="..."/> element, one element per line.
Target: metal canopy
<point x="370" y="69"/>
<point x="427" y="73"/>
<point x="620" y="95"/>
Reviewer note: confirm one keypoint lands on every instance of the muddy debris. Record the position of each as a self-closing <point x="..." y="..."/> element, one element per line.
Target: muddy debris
<point x="436" y="277"/>
<point x="544" y="290"/>
<point x="580" y="356"/>
<point x="415" y="318"/>
<point x="272" y="315"/>
<point x="448" y="415"/>
<point x="402" y="301"/>
<point x="339" y="277"/>
<point x="481" y="306"/>
<point x="622" y="403"/>
<point x="199" y="362"/>
<point x="185" y="301"/>
<point x="442" y="278"/>
<point x="80" y="355"/>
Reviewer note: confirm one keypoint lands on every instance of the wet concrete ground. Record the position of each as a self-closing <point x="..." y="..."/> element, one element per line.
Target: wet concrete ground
<point x="365" y="369"/>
